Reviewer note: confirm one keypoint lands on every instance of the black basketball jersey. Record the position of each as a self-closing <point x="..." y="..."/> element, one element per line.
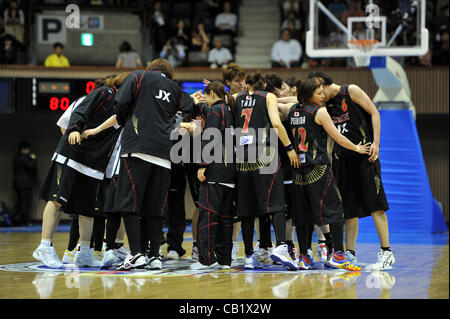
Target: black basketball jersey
<point x="310" y="139"/>
<point x="253" y="120"/>
<point x="351" y="120"/>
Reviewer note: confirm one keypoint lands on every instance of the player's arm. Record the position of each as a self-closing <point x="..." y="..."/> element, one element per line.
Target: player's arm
<point x="287" y="99"/>
<point x="272" y="109"/>
<point x="283" y="109"/>
<point x="123" y="101"/>
<point x="324" y="119"/>
<point x="360" y="97"/>
<point x="112" y="121"/>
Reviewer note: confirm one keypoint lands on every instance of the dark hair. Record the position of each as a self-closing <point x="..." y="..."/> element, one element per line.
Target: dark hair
<point x="219" y="89"/>
<point x="273" y="82"/>
<point x="23" y="145"/>
<point x="318" y="74"/>
<point x="307" y="89"/>
<point x="125" y="47"/>
<point x="58" y="44"/>
<point x="255" y="80"/>
<point x="292" y="81"/>
<point x="286" y="29"/>
<point x="163" y="65"/>
<point x="231" y="71"/>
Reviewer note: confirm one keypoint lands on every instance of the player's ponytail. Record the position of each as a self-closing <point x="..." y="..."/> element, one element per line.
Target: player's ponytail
<point x="219" y="89"/>
<point x="118" y="79"/>
<point x="109" y="80"/>
<point x="255" y="80"/>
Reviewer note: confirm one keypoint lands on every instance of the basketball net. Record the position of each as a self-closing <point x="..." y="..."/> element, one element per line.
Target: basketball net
<point x="362" y="50"/>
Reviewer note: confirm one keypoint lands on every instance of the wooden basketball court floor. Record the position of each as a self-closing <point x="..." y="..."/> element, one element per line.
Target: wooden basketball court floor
<point x="421" y="272"/>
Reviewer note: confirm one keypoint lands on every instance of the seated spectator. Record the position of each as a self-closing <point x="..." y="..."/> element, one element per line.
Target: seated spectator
<point x="8" y="51"/>
<point x="295" y="34"/>
<point x="127" y="58"/>
<point x="292" y="18"/>
<point x="291" y="5"/>
<point x="57" y="59"/>
<point x="352" y="11"/>
<point x="173" y="52"/>
<point x="286" y="52"/>
<point x="200" y="39"/>
<point x="441" y="52"/>
<point x="181" y="33"/>
<point x="14" y="21"/>
<point x="337" y="8"/>
<point x="219" y="56"/>
<point x="226" y="22"/>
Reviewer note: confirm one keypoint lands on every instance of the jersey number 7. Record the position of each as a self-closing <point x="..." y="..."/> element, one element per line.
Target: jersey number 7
<point x="247" y="113"/>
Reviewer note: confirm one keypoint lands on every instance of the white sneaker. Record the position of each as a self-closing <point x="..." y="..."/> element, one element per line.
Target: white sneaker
<point x="256" y="247"/>
<point x="133" y="262"/>
<point x="109" y="259"/>
<point x="195" y="253"/>
<point x="281" y="254"/>
<point x="252" y="262"/>
<point x="154" y="263"/>
<point x="263" y="255"/>
<point x="69" y="256"/>
<point x="86" y="258"/>
<point x="382" y="279"/>
<point x="310" y="255"/>
<point x="351" y="257"/>
<point x="322" y="252"/>
<point x="199" y="266"/>
<point x="385" y="259"/>
<point x="222" y="267"/>
<point x="173" y="255"/>
<point x="235" y="251"/>
<point x="122" y="253"/>
<point x="47" y="255"/>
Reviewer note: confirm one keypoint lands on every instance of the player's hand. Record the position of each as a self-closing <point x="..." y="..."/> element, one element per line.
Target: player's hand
<point x="293" y="157"/>
<point x="90" y="132"/>
<point x="74" y="138"/>
<point x="363" y="149"/>
<point x="374" y="152"/>
<point x="207" y="82"/>
<point x="201" y="174"/>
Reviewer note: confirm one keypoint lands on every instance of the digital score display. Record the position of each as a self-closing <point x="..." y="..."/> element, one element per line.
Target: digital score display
<point x="57" y="95"/>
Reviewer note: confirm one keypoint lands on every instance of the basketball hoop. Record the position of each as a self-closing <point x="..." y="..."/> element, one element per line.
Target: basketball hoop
<point x="362" y="50"/>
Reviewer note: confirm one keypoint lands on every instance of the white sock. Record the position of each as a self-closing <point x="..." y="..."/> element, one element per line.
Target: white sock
<point x="46" y="242"/>
<point x="85" y="247"/>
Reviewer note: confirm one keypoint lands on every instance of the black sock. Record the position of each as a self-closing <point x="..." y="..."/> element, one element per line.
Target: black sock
<point x="290" y="243"/>
<point x="133" y="229"/>
<point x="302" y="235"/>
<point x="322" y="241"/>
<point x="264" y="232"/>
<point x="328" y="242"/>
<point x="248" y="228"/>
<point x="112" y="227"/>
<point x="352" y="252"/>
<point x="279" y="226"/>
<point x="74" y="234"/>
<point x="194" y="244"/>
<point x="337" y="236"/>
<point x="98" y="232"/>
<point x="117" y="245"/>
<point x="310" y="233"/>
<point x="155" y="228"/>
<point x="386" y="248"/>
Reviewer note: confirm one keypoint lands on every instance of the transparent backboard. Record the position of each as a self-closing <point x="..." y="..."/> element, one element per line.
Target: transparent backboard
<point x="400" y="30"/>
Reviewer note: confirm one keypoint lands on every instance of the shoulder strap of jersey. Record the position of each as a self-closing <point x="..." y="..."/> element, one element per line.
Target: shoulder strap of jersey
<point x="261" y="93"/>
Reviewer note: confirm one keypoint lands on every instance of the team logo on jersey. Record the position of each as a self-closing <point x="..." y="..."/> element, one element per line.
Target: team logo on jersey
<point x="163" y="95"/>
<point x="344" y="106"/>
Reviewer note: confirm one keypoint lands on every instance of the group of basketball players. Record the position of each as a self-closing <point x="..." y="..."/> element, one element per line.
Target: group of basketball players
<point x="114" y="160"/>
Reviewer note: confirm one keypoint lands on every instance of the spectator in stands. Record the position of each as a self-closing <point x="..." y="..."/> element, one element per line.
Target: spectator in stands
<point x="181" y="33"/>
<point x="219" y="56"/>
<point x="292" y="17"/>
<point x="291" y="5"/>
<point x="200" y="39"/>
<point x="57" y="59"/>
<point x="286" y="52"/>
<point x="226" y="22"/>
<point x="213" y="7"/>
<point x="337" y="8"/>
<point x="25" y="178"/>
<point x="353" y="11"/>
<point x="173" y="52"/>
<point x="127" y="58"/>
<point x="158" y="25"/>
<point x="14" y="21"/>
<point x="295" y="34"/>
<point x="8" y="52"/>
<point x="441" y="53"/>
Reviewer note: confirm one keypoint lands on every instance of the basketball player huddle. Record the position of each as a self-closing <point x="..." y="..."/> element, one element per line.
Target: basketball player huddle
<point x="114" y="162"/>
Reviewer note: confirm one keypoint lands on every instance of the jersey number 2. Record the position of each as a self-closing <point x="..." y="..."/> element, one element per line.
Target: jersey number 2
<point x="302" y="134"/>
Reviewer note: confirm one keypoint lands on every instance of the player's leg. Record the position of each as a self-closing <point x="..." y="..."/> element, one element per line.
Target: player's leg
<point x="224" y="241"/>
<point x="322" y="251"/>
<point x="113" y="254"/>
<point x="85" y="257"/>
<point x="74" y="235"/>
<point x="194" y="234"/>
<point x="236" y="230"/>
<point x="385" y="256"/>
<point x="264" y="246"/>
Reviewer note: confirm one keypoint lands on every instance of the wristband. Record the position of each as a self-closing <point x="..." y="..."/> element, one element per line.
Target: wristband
<point x="289" y="147"/>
